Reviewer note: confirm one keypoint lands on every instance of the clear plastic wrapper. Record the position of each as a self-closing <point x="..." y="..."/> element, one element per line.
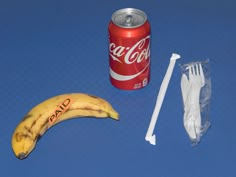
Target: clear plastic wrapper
<point x="196" y="94"/>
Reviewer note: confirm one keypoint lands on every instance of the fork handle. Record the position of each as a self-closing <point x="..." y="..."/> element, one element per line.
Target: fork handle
<point x="195" y="109"/>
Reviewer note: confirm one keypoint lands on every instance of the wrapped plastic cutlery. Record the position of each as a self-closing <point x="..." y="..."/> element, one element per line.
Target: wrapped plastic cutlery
<point x="149" y="135"/>
<point x="196" y="93"/>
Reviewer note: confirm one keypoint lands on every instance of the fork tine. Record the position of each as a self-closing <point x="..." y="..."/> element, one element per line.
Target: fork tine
<point x="201" y="70"/>
<point x="197" y="69"/>
<point x="202" y="74"/>
<point x="191" y="70"/>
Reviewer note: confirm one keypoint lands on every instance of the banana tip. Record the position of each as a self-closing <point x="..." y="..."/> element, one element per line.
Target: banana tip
<point x="22" y="156"/>
<point x="115" y="116"/>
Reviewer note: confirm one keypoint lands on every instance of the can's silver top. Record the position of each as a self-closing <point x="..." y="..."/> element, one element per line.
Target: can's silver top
<point x="129" y="18"/>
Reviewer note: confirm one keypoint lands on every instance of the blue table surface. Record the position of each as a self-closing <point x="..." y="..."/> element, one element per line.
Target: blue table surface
<point x="53" y="47"/>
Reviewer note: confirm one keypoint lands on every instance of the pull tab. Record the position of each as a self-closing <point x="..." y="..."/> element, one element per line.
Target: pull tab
<point x="129" y="20"/>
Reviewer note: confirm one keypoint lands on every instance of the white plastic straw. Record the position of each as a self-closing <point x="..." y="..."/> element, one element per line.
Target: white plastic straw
<point x="149" y="135"/>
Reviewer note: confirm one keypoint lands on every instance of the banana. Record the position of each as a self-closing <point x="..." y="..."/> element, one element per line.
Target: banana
<point x="52" y="111"/>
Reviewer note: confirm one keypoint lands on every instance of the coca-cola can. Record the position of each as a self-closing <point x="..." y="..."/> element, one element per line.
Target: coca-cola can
<point x="129" y="49"/>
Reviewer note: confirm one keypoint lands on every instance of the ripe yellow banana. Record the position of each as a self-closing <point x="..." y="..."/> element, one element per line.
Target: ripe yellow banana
<point x="52" y="111"/>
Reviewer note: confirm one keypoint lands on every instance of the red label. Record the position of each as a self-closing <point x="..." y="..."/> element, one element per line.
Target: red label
<point x="129" y="65"/>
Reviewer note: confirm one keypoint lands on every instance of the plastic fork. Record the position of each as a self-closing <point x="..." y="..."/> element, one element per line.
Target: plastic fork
<point x="196" y="75"/>
<point x="192" y="115"/>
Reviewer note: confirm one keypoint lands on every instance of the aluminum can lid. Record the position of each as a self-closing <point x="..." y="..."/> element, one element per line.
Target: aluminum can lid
<point x="129" y="18"/>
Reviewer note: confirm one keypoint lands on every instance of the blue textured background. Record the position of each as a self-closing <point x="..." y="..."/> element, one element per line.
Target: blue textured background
<point x="53" y="47"/>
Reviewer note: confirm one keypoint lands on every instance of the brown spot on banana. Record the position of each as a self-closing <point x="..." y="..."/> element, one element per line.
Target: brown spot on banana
<point x="37" y="138"/>
<point x="26" y="117"/>
<point x="33" y="124"/>
<point x="20" y="136"/>
<point x="43" y="128"/>
<point x="93" y="96"/>
<point x="29" y="130"/>
<point x="89" y="109"/>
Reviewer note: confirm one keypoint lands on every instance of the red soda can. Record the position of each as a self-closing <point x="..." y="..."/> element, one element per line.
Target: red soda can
<point x="129" y="49"/>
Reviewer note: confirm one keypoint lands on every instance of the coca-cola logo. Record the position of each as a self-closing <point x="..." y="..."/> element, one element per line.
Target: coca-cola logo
<point x="137" y="53"/>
